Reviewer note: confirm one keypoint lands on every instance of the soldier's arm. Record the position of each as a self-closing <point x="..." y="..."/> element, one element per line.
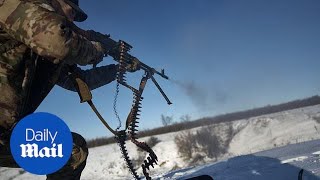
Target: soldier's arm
<point x="45" y="32"/>
<point x="94" y="78"/>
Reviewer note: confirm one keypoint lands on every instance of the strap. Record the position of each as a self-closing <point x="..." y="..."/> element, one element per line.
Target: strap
<point x="104" y="122"/>
<point x="83" y="90"/>
<point x="86" y="96"/>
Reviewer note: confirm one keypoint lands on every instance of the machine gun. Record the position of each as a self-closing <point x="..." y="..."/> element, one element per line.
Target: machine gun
<point x="120" y="53"/>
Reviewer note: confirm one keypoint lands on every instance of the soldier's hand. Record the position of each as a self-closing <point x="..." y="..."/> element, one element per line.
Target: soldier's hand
<point x="133" y="66"/>
<point x="99" y="53"/>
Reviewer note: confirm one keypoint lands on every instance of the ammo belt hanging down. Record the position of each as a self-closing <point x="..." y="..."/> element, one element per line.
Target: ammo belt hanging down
<point x="132" y="119"/>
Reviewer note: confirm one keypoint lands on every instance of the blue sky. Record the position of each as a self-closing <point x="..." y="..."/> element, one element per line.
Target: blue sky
<point x="222" y="56"/>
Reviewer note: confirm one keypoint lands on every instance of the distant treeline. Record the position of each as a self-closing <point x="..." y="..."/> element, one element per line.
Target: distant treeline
<point x="314" y="100"/>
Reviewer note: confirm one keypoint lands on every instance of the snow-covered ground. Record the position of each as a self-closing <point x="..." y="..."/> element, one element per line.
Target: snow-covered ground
<point x="282" y="163"/>
<point x="246" y="157"/>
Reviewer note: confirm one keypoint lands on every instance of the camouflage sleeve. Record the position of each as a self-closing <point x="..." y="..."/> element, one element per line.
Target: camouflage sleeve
<point x="94" y="78"/>
<point x="45" y="32"/>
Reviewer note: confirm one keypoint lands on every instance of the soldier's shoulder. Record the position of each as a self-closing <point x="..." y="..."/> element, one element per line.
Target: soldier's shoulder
<point x="14" y="13"/>
<point x="46" y="4"/>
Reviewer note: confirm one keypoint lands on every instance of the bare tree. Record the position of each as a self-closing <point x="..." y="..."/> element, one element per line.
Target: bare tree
<point x="185" y="118"/>
<point x="166" y="120"/>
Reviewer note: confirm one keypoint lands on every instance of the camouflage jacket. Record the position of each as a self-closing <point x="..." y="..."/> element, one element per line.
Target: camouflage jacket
<point x="36" y="46"/>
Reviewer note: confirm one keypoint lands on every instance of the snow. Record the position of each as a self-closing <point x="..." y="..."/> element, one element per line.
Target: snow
<point x="273" y="146"/>
<point x="278" y="129"/>
<point x="263" y="165"/>
<point x="301" y="158"/>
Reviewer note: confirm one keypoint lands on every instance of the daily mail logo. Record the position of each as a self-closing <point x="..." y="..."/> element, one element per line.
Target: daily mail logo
<point x="32" y="150"/>
<point x="41" y="143"/>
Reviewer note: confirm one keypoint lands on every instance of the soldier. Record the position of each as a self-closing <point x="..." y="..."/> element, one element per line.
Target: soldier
<point x="37" y="50"/>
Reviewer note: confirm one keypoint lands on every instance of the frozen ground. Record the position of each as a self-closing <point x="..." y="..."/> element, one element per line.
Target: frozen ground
<point x="246" y="157"/>
<point x="282" y="163"/>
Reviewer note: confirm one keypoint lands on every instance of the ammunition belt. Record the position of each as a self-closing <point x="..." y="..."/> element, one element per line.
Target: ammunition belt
<point x="132" y="119"/>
